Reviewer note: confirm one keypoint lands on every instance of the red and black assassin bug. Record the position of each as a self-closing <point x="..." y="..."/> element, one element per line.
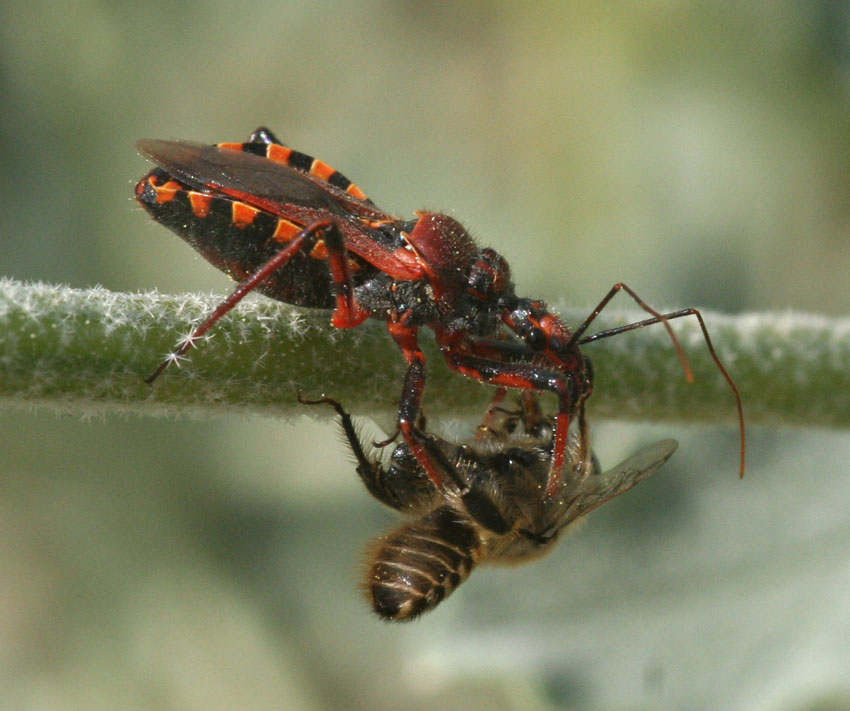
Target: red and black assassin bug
<point x="291" y="227"/>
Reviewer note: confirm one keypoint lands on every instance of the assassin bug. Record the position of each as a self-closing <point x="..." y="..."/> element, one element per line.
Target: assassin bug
<point x="497" y="509"/>
<point x="291" y="227"/>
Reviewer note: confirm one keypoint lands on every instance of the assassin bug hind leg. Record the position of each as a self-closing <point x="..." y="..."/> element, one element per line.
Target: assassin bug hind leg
<point x="302" y="241"/>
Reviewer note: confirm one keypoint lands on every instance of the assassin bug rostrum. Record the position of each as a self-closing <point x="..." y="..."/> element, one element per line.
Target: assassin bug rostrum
<point x="292" y="228"/>
<point x="496" y="510"/>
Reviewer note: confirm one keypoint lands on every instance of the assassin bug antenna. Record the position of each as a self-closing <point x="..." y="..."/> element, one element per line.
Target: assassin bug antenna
<point x="665" y="318"/>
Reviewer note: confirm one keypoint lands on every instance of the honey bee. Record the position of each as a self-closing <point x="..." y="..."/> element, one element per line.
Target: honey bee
<point x="494" y="507"/>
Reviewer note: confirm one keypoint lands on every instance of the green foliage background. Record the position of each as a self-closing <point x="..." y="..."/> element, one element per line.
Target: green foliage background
<point x="695" y="150"/>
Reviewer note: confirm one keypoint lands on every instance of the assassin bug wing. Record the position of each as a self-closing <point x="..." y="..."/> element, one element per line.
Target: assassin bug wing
<point x="264" y="143"/>
<point x="204" y="166"/>
<point x="599" y="489"/>
<point x="253" y="179"/>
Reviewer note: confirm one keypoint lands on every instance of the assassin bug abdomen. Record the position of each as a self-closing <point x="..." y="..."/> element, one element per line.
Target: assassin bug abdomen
<point x="290" y="226"/>
<point x="496" y="508"/>
<point x="239" y="238"/>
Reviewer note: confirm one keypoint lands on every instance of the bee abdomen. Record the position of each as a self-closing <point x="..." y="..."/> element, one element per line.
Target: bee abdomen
<point x="420" y="564"/>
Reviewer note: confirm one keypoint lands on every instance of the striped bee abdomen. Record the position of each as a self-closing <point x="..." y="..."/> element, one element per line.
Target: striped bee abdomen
<point x="421" y="563"/>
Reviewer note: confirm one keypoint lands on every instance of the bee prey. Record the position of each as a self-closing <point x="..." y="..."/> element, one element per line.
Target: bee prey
<point x="493" y="508"/>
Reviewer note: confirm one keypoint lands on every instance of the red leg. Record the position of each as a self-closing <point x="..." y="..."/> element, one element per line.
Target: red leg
<point x="302" y="241"/>
<point x="532" y="413"/>
<point x="481" y="360"/>
<point x="585" y="454"/>
<point x="486" y="426"/>
<point x="348" y="312"/>
<point x="406" y="337"/>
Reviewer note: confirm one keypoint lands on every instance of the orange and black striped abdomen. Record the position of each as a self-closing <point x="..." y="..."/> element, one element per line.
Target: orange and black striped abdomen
<point x="237" y="238"/>
<point x="302" y="162"/>
<point x="421" y="563"/>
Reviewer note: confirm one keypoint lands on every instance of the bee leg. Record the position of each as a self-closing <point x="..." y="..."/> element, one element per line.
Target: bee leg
<point x="371" y="472"/>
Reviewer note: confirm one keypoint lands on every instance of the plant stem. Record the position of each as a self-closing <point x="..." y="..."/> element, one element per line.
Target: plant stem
<point x="88" y="351"/>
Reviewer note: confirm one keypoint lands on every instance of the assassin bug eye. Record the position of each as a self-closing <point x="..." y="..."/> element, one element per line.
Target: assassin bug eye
<point x="536" y="339"/>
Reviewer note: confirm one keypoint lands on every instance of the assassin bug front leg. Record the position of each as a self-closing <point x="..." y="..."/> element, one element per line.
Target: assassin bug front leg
<point x="291" y="227"/>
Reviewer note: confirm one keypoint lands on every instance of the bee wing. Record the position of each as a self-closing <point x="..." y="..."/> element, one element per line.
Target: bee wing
<point x="601" y="488"/>
<point x="254" y="179"/>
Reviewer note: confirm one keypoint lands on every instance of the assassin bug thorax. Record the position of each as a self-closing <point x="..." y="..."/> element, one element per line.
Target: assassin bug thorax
<point x="497" y="509"/>
<point x="291" y="227"/>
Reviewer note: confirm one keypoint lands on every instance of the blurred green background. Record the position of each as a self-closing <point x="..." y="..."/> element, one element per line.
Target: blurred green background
<point x="696" y="150"/>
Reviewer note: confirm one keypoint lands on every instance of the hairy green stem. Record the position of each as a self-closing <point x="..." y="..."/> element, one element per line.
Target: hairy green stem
<point x="88" y="351"/>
